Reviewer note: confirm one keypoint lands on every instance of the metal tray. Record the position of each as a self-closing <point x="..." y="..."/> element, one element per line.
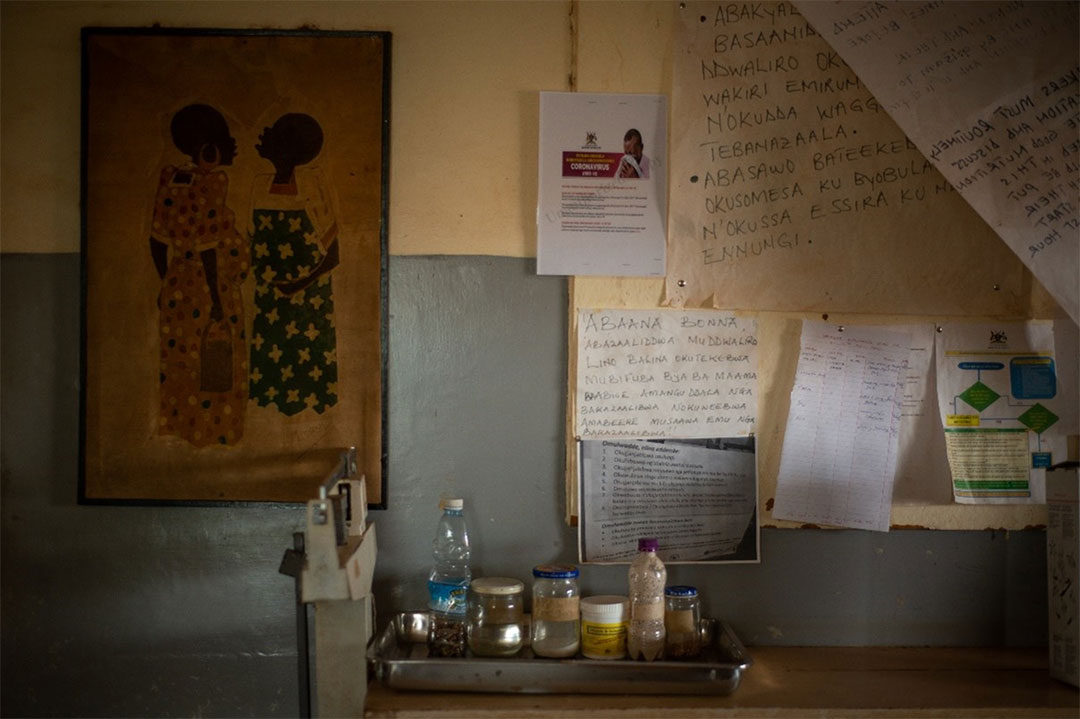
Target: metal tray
<point x="399" y="659"/>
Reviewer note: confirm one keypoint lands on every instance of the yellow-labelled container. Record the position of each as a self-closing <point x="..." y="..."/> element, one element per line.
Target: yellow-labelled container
<point x="604" y="621"/>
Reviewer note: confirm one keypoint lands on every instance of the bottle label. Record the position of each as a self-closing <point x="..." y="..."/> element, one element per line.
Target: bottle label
<point x="680" y="621"/>
<point x="645" y="612"/>
<point x="448" y="597"/>
<point x="556" y="609"/>
<point x="603" y="640"/>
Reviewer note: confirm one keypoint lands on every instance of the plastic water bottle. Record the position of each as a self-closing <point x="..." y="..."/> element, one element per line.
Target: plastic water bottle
<point x="448" y="583"/>
<point x="647" y="576"/>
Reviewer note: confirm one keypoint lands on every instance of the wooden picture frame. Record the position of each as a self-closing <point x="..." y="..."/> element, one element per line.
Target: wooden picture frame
<point x="234" y="263"/>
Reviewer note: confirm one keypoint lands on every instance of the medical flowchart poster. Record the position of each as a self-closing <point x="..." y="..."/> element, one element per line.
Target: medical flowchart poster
<point x="1001" y="410"/>
<point x="601" y="208"/>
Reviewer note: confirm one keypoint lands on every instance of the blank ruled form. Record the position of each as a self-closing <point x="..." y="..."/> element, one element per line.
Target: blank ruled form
<point x="840" y="446"/>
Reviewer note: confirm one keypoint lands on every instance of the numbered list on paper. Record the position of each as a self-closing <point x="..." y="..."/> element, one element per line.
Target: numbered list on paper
<point x="664" y="373"/>
<point x="696" y="500"/>
<point x="840" y="447"/>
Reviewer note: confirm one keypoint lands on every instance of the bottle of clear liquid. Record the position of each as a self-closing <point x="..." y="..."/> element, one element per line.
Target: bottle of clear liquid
<point x="448" y="583"/>
<point x="647" y="576"/>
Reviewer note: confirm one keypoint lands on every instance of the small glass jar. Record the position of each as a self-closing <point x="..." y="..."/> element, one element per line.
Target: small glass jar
<point x="496" y="616"/>
<point x="446" y="635"/>
<point x="604" y="621"/>
<point x="682" y="621"/>
<point x="556" y="612"/>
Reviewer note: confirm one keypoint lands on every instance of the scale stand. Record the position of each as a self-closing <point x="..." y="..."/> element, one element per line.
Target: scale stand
<point x="333" y="568"/>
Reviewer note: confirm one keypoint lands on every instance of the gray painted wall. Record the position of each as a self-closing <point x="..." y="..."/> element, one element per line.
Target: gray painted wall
<point x="163" y="611"/>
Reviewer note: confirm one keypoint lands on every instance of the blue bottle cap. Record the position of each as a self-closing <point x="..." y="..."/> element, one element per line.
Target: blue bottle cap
<point x="555" y="571"/>
<point x="681" y="590"/>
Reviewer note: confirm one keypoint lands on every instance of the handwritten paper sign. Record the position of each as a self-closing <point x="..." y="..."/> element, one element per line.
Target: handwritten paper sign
<point x="664" y="373"/>
<point x="794" y="190"/>
<point x="697" y="497"/>
<point x="840" y="446"/>
<point x="990" y="91"/>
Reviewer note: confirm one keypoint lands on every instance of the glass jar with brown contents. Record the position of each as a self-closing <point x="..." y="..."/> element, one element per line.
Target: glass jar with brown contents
<point x="682" y="622"/>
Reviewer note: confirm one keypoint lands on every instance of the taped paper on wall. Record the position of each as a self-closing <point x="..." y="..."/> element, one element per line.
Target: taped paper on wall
<point x="664" y="373"/>
<point x="793" y="189"/>
<point x="840" y="447"/>
<point x="697" y="497"/>
<point x="989" y="91"/>
<point x="1000" y="407"/>
<point x="602" y="206"/>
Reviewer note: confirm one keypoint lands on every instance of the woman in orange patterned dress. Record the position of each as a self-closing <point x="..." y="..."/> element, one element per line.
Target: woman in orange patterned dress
<point x="202" y="262"/>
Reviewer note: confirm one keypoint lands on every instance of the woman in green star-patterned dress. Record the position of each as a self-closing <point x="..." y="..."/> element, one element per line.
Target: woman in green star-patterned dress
<point x="293" y="250"/>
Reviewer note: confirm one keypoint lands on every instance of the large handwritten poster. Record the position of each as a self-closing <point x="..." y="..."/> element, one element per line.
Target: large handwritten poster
<point x="990" y="91"/>
<point x="794" y="190"/>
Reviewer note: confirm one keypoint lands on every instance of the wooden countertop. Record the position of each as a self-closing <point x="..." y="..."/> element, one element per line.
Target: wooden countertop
<point x="799" y="682"/>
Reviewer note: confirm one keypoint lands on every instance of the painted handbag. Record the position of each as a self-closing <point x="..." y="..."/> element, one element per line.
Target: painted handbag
<point x="216" y="372"/>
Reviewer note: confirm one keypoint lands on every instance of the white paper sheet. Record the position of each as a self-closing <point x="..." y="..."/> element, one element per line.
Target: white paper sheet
<point x="922" y="473"/>
<point x="602" y="195"/>
<point x="665" y="373"/>
<point x="697" y="497"/>
<point x="1000" y="407"/>
<point x="990" y="92"/>
<point x="840" y="446"/>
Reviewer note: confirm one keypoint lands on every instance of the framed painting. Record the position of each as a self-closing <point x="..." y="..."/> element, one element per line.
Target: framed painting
<point x="234" y="258"/>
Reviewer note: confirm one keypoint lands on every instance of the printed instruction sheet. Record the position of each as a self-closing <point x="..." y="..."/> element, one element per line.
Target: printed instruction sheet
<point x="602" y="195"/>
<point x="1000" y="407"/>
<point x="697" y="497"/>
<point x="840" y="447"/>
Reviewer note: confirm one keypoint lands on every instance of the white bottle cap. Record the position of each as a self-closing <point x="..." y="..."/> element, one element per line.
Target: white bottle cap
<point x="453" y="503"/>
<point x="605" y="609"/>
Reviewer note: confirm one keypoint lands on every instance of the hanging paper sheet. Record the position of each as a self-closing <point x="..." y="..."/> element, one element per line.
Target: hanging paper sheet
<point x="792" y="189"/>
<point x="665" y="373"/>
<point x="840" y="447"/>
<point x="1000" y="407"/>
<point x="603" y="169"/>
<point x="990" y="91"/>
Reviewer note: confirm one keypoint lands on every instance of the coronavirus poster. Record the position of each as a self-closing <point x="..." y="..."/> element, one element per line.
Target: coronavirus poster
<point x="601" y="208"/>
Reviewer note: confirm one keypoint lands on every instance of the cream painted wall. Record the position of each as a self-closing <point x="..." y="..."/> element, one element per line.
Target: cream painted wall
<point x="464" y="110"/>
